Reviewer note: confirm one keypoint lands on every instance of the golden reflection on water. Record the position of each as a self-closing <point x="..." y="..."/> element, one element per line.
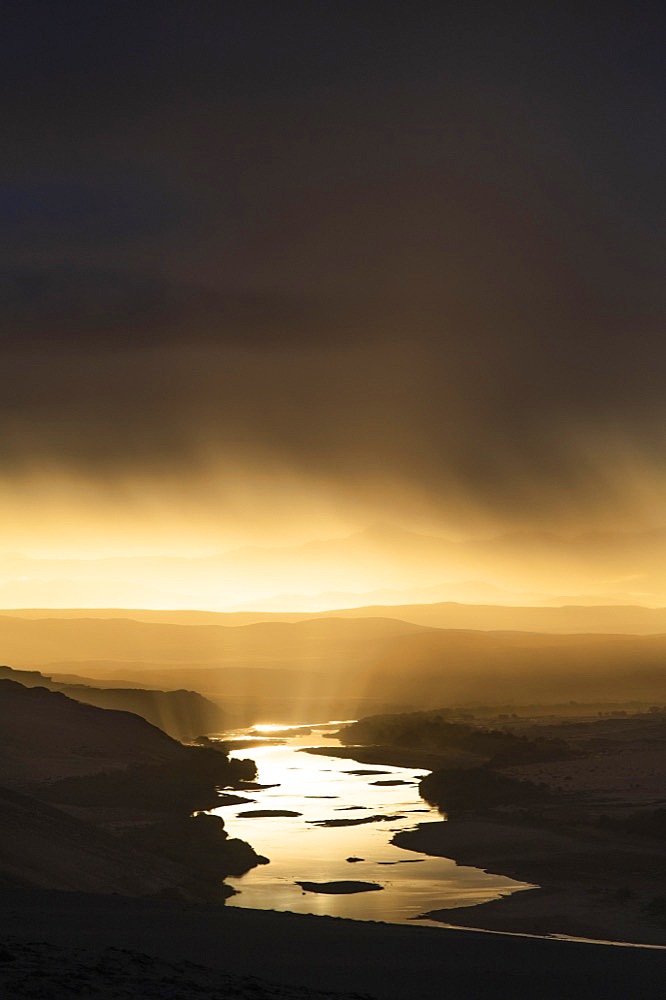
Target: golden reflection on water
<point x="323" y="788"/>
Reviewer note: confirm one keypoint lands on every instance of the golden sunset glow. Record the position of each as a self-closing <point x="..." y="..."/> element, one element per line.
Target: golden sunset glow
<point x="332" y="500"/>
<point x="260" y="540"/>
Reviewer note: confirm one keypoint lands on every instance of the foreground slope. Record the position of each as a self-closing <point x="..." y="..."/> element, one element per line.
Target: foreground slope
<point x="41" y="846"/>
<point x="97" y="800"/>
<point x="388" y="962"/>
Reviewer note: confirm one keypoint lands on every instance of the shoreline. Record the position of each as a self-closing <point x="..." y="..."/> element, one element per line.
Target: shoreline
<point x="581" y="885"/>
<point x="589" y="882"/>
<point x="388" y="756"/>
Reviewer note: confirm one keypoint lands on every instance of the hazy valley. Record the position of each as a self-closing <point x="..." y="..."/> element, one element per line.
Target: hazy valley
<point x="545" y="752"/>
<point x="345" y="665"/>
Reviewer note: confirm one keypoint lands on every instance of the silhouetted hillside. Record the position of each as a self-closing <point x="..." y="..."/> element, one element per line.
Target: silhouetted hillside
<point x="182" y="714"/>
<point x="45" y="735"/>
<point x="478" y="789"/>
<point x="44" y="847"/>
<point x="433" y="732"/>
<point x="92" y="774"/>
<point x="47" y="738"/>
<point x="176" y="786"/>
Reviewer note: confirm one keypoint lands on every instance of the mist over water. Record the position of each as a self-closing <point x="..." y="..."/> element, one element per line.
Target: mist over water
<point x="322" y="788"/>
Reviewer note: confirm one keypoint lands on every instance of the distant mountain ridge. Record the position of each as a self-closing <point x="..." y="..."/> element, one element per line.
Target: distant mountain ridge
<point x="28" y="642"/>
<point x="307" y="666"/>
<point x="568" y="618"/>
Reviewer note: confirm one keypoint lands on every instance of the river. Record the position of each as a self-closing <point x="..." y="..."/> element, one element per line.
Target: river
<point x="322" y="788"/>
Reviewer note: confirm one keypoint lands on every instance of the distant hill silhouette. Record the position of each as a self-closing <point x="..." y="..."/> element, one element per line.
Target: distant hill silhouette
<point x="358" y="662"/>
<point x="564" y="617"/>
<point x="182" y="714"/>
<point x="26" y="642"/>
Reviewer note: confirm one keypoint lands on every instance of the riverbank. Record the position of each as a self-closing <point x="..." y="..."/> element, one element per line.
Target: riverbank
<point x="290" y="952"/>
<point x="390" y="756"/>
<point x="573" y="806"/>
<point x="592" y="885"/>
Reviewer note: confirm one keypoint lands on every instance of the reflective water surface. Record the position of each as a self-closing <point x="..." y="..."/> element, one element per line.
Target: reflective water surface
<point x="322" y="788"/>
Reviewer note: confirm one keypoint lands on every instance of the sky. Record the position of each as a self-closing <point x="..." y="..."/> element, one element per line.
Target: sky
<point x="275" y="272"/>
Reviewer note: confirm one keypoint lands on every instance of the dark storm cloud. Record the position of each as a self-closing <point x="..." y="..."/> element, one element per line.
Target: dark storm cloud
<point x="420" y="239"/>
<point x="61" y="311"/>
<point x="104" y="209"/>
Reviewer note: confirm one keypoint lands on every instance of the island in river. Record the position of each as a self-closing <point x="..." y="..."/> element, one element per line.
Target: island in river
<point x="343" y="887"/>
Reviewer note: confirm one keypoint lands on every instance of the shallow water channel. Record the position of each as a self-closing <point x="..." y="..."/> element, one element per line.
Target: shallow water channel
<point x="324" y="788"/>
